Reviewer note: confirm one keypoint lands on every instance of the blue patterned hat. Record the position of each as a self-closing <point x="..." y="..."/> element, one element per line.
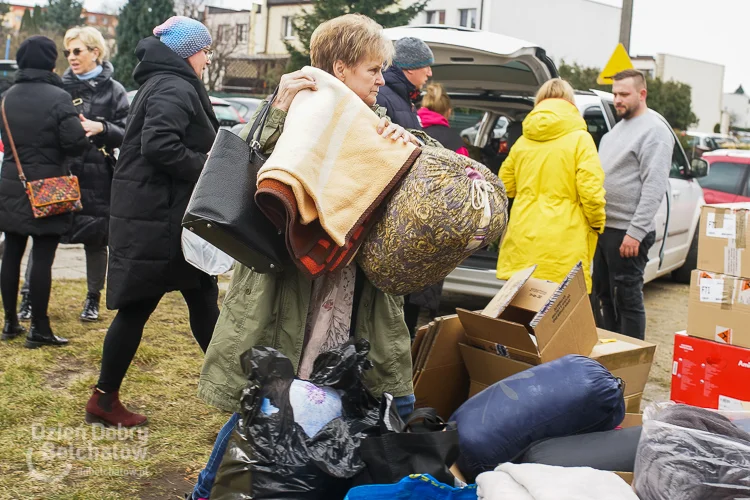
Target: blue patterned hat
<point x="183" y="35"/>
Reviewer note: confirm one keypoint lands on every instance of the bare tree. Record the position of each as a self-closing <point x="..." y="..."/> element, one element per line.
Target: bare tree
<point x="226" y="45"/>
<point x="190" y="8"/>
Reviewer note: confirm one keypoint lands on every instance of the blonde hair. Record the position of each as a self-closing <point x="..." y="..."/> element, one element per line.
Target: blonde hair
<point x="91" y="37"/>
<point x="435" y="99"/>
<point x="557" y="88"/>
<point x="349" y="38"/>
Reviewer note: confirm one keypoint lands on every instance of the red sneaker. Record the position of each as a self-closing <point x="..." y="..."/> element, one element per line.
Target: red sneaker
<point x="105" y="408"/>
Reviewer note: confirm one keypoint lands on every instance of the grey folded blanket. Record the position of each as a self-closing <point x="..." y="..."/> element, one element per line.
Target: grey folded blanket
<point x="706" y="457"/>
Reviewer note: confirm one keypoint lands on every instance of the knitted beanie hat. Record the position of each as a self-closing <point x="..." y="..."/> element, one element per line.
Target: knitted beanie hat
<point x="37" y="52"/>
<point x="412" y="53"/>
<point x="183" y="35"/>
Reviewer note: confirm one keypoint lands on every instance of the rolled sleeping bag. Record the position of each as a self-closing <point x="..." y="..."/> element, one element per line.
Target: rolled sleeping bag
<point x="609" y="450"/>
<point x="446" y="208"/>
<point x="567" y="396"/>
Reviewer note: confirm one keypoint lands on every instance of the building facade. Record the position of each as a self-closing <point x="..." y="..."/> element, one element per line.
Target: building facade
<point x="581" y="31"/>
<point x="737" y="106"/>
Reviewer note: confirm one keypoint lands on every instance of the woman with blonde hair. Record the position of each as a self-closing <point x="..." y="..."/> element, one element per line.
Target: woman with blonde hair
<point x="102" y="107"/>
<point x="434" y="114"/>
<point x="554" y="174"/>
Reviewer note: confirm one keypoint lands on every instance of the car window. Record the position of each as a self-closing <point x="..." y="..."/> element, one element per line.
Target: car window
<point x="614" y="111"/>
<point x="225" y="113"/>
<point x="596" y="123"/>
<point x="724" y="177"/>
<point x="679" y="168"/>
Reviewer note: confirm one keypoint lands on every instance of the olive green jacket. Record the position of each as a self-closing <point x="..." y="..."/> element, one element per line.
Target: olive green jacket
<point x="271" y="310"/>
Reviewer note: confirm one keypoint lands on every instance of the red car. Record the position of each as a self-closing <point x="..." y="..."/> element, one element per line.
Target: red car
<point x="728" y="179"/>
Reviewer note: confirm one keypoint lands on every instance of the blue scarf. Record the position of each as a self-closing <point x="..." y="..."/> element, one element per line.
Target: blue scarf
<point x="91" y="74"/>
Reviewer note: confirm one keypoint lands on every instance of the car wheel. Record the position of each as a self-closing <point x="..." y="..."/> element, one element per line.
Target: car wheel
<point x="682" y="275"/>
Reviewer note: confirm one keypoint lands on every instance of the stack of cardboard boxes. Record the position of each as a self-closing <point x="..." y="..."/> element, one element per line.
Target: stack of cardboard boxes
<point x="711" y="365"/>
<point x="530" y="321"/>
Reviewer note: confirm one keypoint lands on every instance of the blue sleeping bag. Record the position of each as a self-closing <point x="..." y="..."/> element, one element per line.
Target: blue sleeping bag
<point x="570" y="395"/>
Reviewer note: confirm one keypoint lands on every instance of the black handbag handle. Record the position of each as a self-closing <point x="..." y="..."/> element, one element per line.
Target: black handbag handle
<point x="430" y="418"/>
<point x="260" y="122"/>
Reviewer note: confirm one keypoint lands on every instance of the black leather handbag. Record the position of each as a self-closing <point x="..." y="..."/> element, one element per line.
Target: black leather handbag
<point x="222" y="209"/>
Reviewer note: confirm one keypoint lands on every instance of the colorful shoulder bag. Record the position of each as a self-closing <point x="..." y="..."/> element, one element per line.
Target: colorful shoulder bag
<point x="50" y="196"/>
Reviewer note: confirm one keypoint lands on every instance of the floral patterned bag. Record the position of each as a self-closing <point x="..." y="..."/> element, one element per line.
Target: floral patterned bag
<point x="50" y="196"/>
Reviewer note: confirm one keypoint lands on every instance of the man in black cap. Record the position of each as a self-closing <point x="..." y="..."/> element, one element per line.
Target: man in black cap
<point x="404" y="80"/>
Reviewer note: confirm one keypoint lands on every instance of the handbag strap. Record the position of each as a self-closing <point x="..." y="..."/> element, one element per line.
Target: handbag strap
<point x="429" y="416"/>
<point x="13" y="145"/>
<point x="260" y="122"/>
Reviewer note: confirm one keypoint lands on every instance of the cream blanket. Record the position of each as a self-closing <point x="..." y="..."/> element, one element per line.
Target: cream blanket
<point x="332" y="157"/>
<point x="546" y="482"/>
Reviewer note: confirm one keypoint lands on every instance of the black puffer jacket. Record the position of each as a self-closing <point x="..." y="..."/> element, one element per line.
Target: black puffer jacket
<point x="171" y="128"/>
<point x="46" y="129"/>
<point x="104" y="100"/>
<point x="397" y="96"/>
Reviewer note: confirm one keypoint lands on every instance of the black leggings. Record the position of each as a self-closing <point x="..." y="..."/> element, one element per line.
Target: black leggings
<point x="125" y="332"/>
<point x="43" y="253"/>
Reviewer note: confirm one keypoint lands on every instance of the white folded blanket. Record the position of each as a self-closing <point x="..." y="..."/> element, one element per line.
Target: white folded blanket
<point x="547" y="482"/>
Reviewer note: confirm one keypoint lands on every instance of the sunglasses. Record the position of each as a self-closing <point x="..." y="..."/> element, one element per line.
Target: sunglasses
<point x="209" y="54"/>
<point x="76" y="52"/>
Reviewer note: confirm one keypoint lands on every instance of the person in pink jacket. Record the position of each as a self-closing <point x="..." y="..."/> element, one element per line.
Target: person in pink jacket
<point x="434" y="113"/>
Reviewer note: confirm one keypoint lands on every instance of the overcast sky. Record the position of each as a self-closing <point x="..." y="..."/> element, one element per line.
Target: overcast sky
<point x="715" y="31"/>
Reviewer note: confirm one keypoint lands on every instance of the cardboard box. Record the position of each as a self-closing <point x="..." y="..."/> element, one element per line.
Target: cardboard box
<point x="535" y="321"/>
<point x="633" y="403"/>
<point x="719" y="308"/>
<point x="625" y="357"/>
<point x="440" y="377"/>
<point x="710" y="375"/>
<point x="723" y="239"/>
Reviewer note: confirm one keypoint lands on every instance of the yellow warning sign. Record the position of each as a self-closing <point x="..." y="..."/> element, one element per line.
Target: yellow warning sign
<point x="620" y="61"/>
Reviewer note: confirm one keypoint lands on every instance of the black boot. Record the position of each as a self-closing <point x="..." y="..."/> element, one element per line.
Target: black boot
<point x="91" y="308"/>
<point x="41" y="335"/>
<point x="12" y="329"/>
<point x="24" y="312"/>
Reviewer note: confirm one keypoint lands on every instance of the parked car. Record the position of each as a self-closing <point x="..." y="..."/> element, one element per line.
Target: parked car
<point x="227" y="114"/>
<point x="728" y="179"/>
<point x="246" y="106"/>
<point x="470" y="134"/>
<point x="500" y="75"/>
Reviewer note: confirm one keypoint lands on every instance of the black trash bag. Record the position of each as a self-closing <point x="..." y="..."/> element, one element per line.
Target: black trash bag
<point x="269" y="456"/>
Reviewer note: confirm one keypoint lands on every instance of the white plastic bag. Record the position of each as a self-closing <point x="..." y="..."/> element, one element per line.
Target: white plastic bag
<point x="204" y="255"/>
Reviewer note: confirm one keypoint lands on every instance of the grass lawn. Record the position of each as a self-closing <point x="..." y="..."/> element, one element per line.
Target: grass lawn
<point x="48" y="451"/>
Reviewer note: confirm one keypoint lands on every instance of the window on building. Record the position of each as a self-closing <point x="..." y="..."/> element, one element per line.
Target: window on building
<point x="105" y="21"/>
<point x="435" y="16"/>
<point x="467" y="18"/>
<point x="92" y="19"/>
<point x="242" y="33"/>
<point x="287" y="27"/>
<point x="225" y="32"/>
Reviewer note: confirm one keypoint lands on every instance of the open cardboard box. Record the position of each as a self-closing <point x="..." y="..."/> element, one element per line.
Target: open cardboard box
<point x="534" y="321"/>
<point x="627" y="358"/>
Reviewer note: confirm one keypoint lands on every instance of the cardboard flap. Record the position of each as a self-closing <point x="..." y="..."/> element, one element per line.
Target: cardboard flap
<point x="559" y="307"/>
<point x="443" y="352"/>
<point x="483" y="367"/>
<point x="506" y="294"/>
<point x="483" y="327"/>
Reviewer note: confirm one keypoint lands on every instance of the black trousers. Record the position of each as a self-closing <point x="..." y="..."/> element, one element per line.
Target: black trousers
<point x="618" y="285"/>
<point x="43" y="252"/>
<point x="96" y="269"/>
<point x="125" y="332"/>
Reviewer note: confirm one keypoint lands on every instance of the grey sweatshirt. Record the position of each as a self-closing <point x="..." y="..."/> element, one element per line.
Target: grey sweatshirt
<point x="636" y="156"/>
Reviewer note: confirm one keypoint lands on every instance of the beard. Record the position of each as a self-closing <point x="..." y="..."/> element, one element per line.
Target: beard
<point x="625" y="114"/>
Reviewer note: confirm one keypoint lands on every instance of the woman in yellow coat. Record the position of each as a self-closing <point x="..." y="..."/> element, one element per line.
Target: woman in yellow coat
<point x="557" y="182"/>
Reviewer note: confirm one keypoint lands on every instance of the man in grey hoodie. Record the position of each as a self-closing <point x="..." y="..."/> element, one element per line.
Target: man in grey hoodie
<point x="636" y="157"/>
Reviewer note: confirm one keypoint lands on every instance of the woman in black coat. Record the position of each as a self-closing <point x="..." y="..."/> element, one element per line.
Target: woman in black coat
<point x="102" y="104"/>
<point x="171" y="128"/>
<point x="45" y="128"/>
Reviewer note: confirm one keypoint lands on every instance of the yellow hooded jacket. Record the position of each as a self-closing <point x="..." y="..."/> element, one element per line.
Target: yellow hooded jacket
<point x="557" y="182"/>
